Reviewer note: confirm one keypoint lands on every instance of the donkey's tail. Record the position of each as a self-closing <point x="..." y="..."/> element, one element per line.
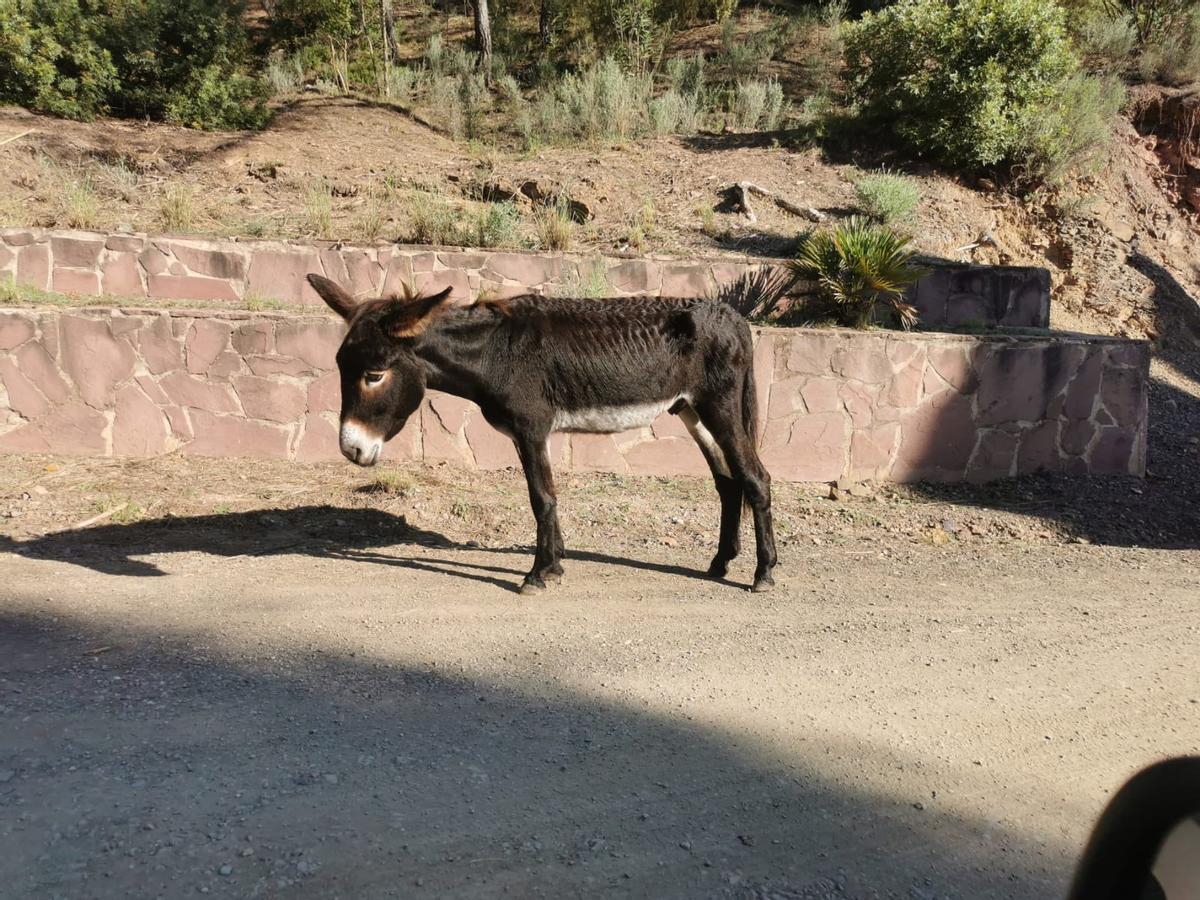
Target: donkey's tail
<point x="750" y="405"/>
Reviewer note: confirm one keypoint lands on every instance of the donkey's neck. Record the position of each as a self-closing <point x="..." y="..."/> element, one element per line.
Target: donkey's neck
<point x="458" y="353"/>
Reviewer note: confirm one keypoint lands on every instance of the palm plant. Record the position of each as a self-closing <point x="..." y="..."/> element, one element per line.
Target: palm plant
<point x="858" y="265"/>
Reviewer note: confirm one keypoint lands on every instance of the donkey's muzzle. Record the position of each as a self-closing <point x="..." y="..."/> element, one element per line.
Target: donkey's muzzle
<point x="359" y="445"/>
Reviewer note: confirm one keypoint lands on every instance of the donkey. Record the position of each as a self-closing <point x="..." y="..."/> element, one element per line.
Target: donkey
<point x="536" y="365"/>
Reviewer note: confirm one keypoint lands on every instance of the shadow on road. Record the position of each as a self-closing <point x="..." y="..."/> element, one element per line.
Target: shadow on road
<point x="320" y="531"/>
<point x="144" y="761"/>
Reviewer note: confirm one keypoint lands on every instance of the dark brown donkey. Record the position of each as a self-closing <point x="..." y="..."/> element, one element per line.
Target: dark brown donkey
<point x="536" y="365"/>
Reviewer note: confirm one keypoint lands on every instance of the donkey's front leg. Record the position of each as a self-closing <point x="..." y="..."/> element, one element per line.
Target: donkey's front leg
<point x="547" y="560"/>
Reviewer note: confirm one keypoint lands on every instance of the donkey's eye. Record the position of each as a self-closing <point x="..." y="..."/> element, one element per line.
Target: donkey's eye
<point x="373" y="377"/>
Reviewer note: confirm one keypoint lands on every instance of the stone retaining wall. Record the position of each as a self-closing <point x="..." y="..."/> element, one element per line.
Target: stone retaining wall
<point x="834" y="404"/>
<point x="180" y="268"/>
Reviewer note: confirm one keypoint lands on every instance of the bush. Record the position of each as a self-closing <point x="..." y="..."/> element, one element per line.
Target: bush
<point x="52" y="58"/>
<point x="1106" y="43"/>
<point x="1072" y="128"/>
<point x="856" y="266"/>
<point x="1173" y="56"/>
<point x="887" y="198"/>
<point x="555" y="226"/>
<point x="497" y="225"/>
<point x="758" y="103"/>
<point x="960" y="81"/>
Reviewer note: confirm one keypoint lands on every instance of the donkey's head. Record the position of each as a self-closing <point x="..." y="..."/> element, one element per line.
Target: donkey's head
<point x="383" y="382"/>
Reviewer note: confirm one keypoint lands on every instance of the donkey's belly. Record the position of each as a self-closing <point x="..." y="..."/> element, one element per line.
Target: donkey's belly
<point x="610" y="419"/>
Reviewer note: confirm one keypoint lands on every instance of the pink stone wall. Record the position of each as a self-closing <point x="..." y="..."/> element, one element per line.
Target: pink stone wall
<point x="834" y="404"/>
<point x="151" y="267"/>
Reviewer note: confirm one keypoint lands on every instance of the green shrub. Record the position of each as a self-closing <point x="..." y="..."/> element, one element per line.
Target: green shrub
<point x="856" y="266"/>
<point x="283" y="74"/>
<point x="959" y="81"/>
<point x="674" y="113"/>
<point x="1105" y="42"/>
<point x="52" y="58"/>
<point x="1072" y="127"/>
<point x="497" y="225"/>
<point x="758" y="104"/>
<point x="887" y="198"/>
<point x="434" y="221"/>
<point x="555" y="226"/>
<point x="685" y="74"/>
<point x="1173" y="56"/>
<point x="215" y="98"/>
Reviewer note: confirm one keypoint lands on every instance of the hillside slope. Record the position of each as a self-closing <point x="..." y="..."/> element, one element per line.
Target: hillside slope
<point x="1123" y="244"/>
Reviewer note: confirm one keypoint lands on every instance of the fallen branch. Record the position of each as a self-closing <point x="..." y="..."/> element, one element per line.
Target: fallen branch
<point x="743" y="190"/>
<point x="99" y="517"/>
<point x="9" y="140"/>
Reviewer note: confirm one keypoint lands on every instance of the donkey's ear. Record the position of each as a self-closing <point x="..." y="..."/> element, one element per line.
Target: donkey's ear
<point x="408" y="318"/>
<point x="334" y="294"/>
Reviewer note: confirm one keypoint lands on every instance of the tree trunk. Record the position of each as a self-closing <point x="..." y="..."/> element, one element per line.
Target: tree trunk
<point x="389" y="29"/>
<point x="544" y="24"/>
<point x="483" y="38"/>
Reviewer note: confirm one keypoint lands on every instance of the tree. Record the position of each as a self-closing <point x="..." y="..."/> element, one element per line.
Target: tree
<point x="483" y="38"/>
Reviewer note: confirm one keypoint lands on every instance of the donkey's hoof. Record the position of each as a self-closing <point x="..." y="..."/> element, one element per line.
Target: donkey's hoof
<point x="718" y="568"/>
<point x="762" y="584"/>
<point x="532" y="586"/>
<point x="553" y="577"/>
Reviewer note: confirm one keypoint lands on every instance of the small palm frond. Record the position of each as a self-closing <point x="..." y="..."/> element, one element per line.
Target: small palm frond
<point x="859" y="264"/>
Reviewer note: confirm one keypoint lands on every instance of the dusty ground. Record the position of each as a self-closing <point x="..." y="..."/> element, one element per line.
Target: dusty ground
<point x="275" y="680"/>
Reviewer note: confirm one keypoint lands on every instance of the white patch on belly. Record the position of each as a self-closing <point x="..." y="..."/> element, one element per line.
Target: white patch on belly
<point x="611" y="419"/>
<point x="705" y="439"/>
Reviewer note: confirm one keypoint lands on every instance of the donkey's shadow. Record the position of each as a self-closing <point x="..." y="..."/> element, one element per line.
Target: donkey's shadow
<point x="327" y="532"/>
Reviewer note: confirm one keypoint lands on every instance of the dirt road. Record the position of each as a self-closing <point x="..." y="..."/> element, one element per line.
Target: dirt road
<point x="323" y="700"/>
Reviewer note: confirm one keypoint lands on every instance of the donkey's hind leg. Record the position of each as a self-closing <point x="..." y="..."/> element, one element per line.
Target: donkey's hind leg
<point x="737" y="445"/>
<point x="729" y="489"/>
<point x="547" y="558"/>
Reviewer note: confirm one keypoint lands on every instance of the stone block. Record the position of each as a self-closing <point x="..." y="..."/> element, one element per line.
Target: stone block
<point x="1122" y="393"/>
<point x="20" y="238"/>
<point x="278" y="365"/>
<point x="451" y="411"/>
<point x="33" y="266"/>
<point x="438" y="444"/>
<point x="154" y="261"/>
<point x="95" y="360"/>
<point x="1038" y="451"/>
<point x="190" y="287"/>
<point x="668" y="456"/>
<point x="325" y="394"/>
<point x="635" y="276"/>
<point x="399" y="275"/>
<point x="160" y="349"/>
<point x="872" y="450"/>
<point x="252" y="338"/>
<point x="820" y="395"/>
<point x="1113" y="452"/>
<point x="72" y="429"/>
<point x="38" y="366"/>
<point x="213" y="260"/>
<point x="319" y="441"/>
<point x="265" y="398"/>
<point x="15" y="329"/>
<point x="863" y="359"/>
<point x="75" y="281"/>
<point x="364" y="273"/>
<point x="936" y="439"/>
<point x="120" y="277"/>
<point x="139" y="427"/>
<point x="234" y="436"/>
<point x="994" y="456"/>
<point x="491" y="449"/>
<point x="78" y="253"/>
<point x="280" y="275"/>
<point x="687" y="280"/>
<point x="207" y="339"/>
<point x="596" y="453"/>
<point x="524" y="268"/>
<point x="812" y="353"/>
<point x="315" y="342"/>
<point x="815" y="448"/>
<point x="197" y="393"/>
<point x="125" y="243"/>
<point x="954" y="366"/>
<point x="455" y="279"/>
<point x="23" y="398"/>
